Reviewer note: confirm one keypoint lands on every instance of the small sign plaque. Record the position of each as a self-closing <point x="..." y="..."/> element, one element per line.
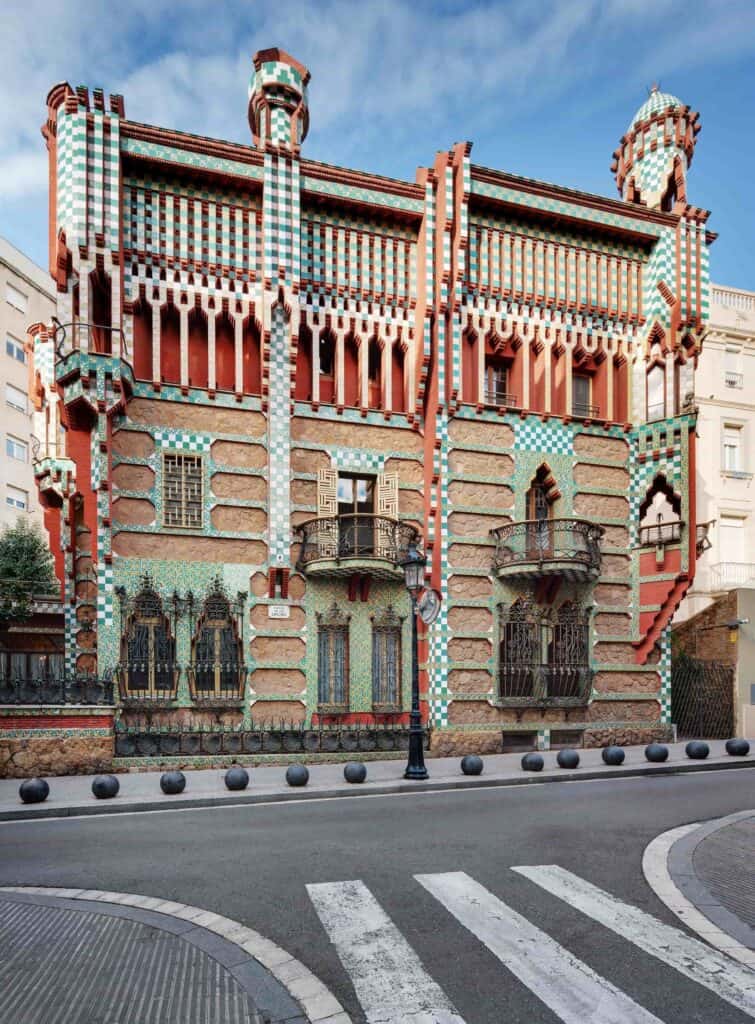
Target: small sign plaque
<point x="278" y="611"/>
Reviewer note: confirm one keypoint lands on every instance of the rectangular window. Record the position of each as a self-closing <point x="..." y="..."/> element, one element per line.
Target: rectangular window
<point x="386" y="667"/>
<point x="356" y="517"/>
<point x="732" y="448"/>
<point x="16" y="498"/>
<point x="656" y="393"/>
<point x="15" y="350"/>
<point x="15" y="298"/>
<point x="182" y="491"/>
<point x="580" y="396"/>
<point x="333" y="666"/>
<point x="732" y="376"/>
<point x="16" y="449"/>
<point x="15" y="397"/>
<point x="497" y="385"/>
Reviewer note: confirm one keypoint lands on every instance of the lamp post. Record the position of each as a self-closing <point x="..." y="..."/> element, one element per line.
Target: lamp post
<point x="414" y="577"/>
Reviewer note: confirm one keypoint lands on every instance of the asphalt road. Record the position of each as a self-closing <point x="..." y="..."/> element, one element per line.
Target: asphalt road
<point x="253" y="864"/>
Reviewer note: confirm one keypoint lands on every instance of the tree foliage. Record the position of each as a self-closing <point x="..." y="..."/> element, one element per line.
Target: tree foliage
<point x="26" y="570"/>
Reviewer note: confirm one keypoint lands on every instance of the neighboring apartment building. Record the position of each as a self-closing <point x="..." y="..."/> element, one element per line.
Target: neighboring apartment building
<point x="278" y="376"/>
<point x="725" y="397"/>
<point x="26" y="294"/>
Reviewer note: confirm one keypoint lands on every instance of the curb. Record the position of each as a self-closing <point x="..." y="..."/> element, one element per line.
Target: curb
<point x="669" y="871"/>
<point x="304" y="1000"/>
<point x="96" y="807"/>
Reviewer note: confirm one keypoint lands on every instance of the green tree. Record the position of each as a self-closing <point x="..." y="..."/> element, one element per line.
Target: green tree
<point x="26" y="570"/>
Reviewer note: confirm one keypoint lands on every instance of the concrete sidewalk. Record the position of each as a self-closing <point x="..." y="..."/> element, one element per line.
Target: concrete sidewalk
<point x="72" y="795"/>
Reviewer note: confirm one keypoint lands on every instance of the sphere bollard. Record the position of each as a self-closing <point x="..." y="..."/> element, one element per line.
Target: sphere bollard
<point x="355" y="772"/>
<point x="613" y="755"/>
<point x="297" y="775"/>
<point x="656" y="752"/>
<point x="172" y="783"/>
<point x="105" y="787"/>
<point x="34" y="791"/>
<point x="697" y="750"/>
<point x="532" y="762"/>
<point x="471" y="764"/>
<point x="236" y="778"/>
<point x="568" y="758"/>
<point x="737" y="747"/>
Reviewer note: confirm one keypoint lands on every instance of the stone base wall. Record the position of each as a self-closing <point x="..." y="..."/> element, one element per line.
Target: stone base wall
<point x="457" y="742"/>
<point x="55" y="755"/>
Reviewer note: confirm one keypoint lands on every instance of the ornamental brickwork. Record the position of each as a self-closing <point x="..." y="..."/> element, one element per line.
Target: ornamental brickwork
<point x="274" y="376"/>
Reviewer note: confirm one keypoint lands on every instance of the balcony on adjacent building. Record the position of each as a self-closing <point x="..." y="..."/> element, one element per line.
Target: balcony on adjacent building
<point x="362" y="542"/>
<point x="569" y="548"/>
<point x="731" y="575"/>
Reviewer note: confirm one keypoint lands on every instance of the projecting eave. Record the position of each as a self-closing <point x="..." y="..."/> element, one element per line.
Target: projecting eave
<point x="371" y="191"/>
<point x="556" y="204"/>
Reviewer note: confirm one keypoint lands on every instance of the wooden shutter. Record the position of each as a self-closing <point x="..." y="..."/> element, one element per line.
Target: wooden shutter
<point x="327" y="492"/>
<point x="387" y="495"/>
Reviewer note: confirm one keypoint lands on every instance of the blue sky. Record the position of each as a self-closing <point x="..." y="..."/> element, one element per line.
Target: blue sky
<point x="543" y="88"/>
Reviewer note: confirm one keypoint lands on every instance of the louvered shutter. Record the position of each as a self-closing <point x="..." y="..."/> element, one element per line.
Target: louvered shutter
<point x="387" y="495"/>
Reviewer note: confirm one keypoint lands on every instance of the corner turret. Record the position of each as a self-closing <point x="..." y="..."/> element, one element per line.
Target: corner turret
<point x="278" y="111"/>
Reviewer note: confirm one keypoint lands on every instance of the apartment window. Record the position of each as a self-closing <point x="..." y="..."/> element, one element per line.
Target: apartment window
<point x="16" y="449"/>
<point x="15" y="398"/>
<point x="216" y="667"/>
<point x="15" y="298"/>
<point x="182" y="491"/>
<point x="16" y="498"/>
<point x="732" y="376"/>
<point x="732" y="461"/>
<point x="148" y="650"/>
<point x="333" y="659"/>
<point x="581" y="393"/>
<point x="386" y="661"/>
<point x="15" y="350"/>
<point x="544" y="653"/>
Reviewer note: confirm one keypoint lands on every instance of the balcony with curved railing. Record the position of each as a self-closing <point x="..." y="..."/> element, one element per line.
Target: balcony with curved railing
<point x="363" y="542"/>
<point x="569" y="548"/>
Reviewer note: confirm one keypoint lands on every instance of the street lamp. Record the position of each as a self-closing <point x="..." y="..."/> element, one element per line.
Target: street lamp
<point x="414" y="577"/>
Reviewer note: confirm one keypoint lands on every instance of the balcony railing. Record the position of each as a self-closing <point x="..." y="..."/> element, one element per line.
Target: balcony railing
<point x="500" y="397"/>
<point x="557" y="685"/>
<point x="734" y="380"/>
<point x="362" y="536"/>
<point x="546" y="546"/>
<point x="216" y="682"/>
<point x="661" y="533"/>
<point x="145" y="682"/>
<point x="583" y="411"/>
<point x="84" y="689"/>
<point x="98" y="338"/>
<point x="735" y="298"/>
<point x="729" y="575"/>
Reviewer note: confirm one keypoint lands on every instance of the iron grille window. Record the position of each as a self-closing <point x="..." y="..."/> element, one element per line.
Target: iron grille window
<point x="217" y="663"/>
<point x="386" y="661"/>
<point x="544" y="654"/>
<point x="182" y="491"/>
<point x="148" y="650"/>
<point x="333" y="660"/>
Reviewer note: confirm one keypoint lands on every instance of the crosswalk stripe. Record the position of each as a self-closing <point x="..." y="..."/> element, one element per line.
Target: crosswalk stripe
<point x="722" y="975"/>
<point x="571" y="989"/>
<point x="388" y="977"/>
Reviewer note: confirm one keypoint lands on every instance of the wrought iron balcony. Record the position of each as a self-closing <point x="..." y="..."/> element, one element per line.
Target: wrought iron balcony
<point x="562" y="685"/>
<point x="148" y="682"/>
<point x="734" y="380"/>
<point x="662" y="533"/>
<point x="213" y="682"/>
<point x="37" y="690"/>
<point x="548" y="547"/>
<point x="583" y="411"/>
<point x="499" y="397"/>
<point x="341" y="545"/>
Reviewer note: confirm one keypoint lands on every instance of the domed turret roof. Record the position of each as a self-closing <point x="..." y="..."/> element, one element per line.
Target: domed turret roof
<point x="655" y="102"/>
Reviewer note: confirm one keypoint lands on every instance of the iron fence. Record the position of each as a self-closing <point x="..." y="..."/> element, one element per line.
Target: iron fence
<point x="81" y="689"/>
<point x="702" y="698"/>
<point x="362" y="535"/>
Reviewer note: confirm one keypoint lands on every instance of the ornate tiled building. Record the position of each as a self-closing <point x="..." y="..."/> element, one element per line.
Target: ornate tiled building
<point x="274" y="376"/>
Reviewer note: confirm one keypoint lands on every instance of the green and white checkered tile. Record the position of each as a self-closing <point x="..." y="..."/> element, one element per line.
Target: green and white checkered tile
<point x="553" y="437"/>
<point x="183" y="441"/>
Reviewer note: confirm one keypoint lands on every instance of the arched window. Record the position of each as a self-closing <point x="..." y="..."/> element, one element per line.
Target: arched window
<point x="333" y="660"/>
<point x="352" y="389"/>
<point x="225" y="353"/>
<point x="327" y="367"/>
<point x="656" y="392"/>
<point x="518" y="650"/>
<point x="386" y="661"/>
<point x="170" y="345"/>
<point x="398" y="384"/>
<point x="567" y="651"/>
<point x="100" y="311"/>
<point x="660" y="514"/>
<point x="252" y="358"/>
<point x="544" y="653"/>
<point x="540" y="498"/>
<point x="148" y="669"/>
<point x="469" y="371"/>
<point x="217" y="651"/>
<point x="304" y="365"/>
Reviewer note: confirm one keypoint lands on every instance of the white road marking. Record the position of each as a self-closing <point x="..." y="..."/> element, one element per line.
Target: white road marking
<point x="726" y="978"/>
<point x="571" y="989"/>
<point x="388" y="977"/>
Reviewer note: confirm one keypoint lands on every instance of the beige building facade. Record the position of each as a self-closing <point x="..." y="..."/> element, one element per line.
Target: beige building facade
<point x="725" y="396"/>
<point x="26" y="296"/>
